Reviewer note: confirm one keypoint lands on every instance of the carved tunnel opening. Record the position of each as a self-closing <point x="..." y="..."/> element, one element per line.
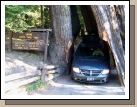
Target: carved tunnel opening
<point x="84" y="24"/>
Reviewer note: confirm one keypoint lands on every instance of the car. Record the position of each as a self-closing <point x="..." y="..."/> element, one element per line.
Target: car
<point x="88" y="67"/>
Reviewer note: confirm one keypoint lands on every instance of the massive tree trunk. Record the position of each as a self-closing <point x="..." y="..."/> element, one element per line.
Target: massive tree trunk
<point x="109" y="30"/>
<point x="107" y="21"/>
<point x="61" y="38"/>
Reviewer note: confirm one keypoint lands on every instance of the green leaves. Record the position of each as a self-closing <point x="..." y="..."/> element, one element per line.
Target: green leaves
<point x="14" y="19"/>
<point x="35" y="86"/>
<point x="80" y="15"/>
<point x="22" y="17"/>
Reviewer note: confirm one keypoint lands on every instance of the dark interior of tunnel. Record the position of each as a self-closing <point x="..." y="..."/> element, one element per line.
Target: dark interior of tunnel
<point x="83" y="24"/>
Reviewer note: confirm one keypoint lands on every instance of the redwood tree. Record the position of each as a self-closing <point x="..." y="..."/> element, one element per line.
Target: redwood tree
<point x="110" y="31"/>
<point x="110" y="22"/>
<point x="61" y="39"/>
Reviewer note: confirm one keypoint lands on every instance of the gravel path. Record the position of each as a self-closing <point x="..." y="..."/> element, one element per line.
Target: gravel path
<point x="65" y="86"/>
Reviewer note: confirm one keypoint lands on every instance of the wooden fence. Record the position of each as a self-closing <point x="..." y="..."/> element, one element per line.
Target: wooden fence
<point x="33" y="39"/>
<point x="16" y="80"/>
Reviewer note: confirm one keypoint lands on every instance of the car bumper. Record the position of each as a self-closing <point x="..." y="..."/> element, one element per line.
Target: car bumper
<point x="93" y="79"/>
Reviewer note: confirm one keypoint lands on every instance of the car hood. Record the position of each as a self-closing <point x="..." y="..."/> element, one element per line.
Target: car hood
<point x="91" y="64"/>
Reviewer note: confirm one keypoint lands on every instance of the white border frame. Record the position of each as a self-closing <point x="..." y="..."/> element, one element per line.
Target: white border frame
<point x="126" y="3"/>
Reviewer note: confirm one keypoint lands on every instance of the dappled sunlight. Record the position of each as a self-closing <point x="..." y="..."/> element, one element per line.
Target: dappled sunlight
<point x="80" y="89"/>
<point x="18" y="63"/>
<point x="18" y="91"/>
<point x="15" y="62"/>
<point x="24" y="66"/>
<point x="90" y="86"/>
<point x="69" y="87"/>
<point x="21" y="63"/>
<point x="66" y="85"/>
<point x="56" y="84"/>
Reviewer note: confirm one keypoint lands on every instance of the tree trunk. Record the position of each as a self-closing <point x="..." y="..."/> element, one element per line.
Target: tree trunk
<point x="120" y="13"/>
<point x="109" y="31"/>
<point x="42" y="16"/>
<point x="110" y="28"/>
<point x="61" y="39"/>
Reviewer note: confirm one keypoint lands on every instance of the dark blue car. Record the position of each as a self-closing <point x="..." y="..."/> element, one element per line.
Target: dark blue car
<point x="90" y="66"/>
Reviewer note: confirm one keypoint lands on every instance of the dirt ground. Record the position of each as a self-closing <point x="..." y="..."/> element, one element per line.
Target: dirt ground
<point x="63" y="85"/>
<point x="23" y="61"/>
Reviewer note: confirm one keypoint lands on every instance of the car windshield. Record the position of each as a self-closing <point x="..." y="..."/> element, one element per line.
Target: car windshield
<point x="90" y="52"/>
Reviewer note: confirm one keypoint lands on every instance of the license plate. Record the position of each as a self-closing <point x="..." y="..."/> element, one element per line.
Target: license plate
<point x="90" y="79"/>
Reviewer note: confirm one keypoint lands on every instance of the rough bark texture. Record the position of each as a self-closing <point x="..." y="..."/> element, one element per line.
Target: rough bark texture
<point x="120" y="13"/>
<point x="109" y="31"/>
<point x="107" y="21"/>
<point x="61" y="38"/>
<point x="42" y="16"/>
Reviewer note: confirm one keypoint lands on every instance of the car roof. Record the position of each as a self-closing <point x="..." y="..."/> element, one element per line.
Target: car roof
<point x="91" y="44"/>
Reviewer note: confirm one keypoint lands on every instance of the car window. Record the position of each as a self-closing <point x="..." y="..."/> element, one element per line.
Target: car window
<point x="86" y="52"/>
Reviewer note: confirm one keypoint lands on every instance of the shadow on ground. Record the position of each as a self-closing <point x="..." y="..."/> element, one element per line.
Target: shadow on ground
<point x="63" y="85"/>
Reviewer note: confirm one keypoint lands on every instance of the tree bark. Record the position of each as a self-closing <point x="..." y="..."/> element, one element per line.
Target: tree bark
<point x="120" y="13"/>
<point x="108" y="27"/>
<point x="42" y="16"/>
<point x="61" y="39"/>
<point x="109" y="31"/>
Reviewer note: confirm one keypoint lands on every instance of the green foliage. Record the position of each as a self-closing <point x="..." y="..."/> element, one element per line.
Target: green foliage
<point x="34" y="86"/>
<point x="46" y="17"/>
<point x="22" y="17"/>
<point x="32" y="55"/>
<point x="80" y="16"/>
<point x="14" y="18"/>
<point x="25" y="54"/>
<point x="82" y="23"/>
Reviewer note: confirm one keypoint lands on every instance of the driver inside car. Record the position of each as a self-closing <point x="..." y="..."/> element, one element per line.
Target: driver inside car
<point x="98" y="52"/>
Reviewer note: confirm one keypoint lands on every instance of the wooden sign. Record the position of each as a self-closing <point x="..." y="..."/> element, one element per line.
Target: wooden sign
<point x="28" y="45"/>
<point x="34" y="40"/>
<point x="29" y="35"/>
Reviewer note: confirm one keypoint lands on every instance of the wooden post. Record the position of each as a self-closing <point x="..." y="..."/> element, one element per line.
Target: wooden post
<point x="10" y="41"/>
<point x="46" y="46"/>
<point x="44" y="70"/>
<point x="43" y="73"/>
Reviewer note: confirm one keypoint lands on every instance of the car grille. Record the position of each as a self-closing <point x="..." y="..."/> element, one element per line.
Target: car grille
<point x="91" y="72"/>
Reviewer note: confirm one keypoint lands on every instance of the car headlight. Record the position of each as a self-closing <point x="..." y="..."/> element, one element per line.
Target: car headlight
<point x="77" y="70"/>
<point x="106" y="71"/>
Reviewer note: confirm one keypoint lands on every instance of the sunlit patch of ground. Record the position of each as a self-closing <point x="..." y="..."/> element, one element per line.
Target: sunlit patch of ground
<point x="16" y="62"/>
<point x="19" y="62"/>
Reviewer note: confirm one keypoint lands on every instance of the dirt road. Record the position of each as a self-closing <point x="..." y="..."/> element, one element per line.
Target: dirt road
<point x="65" y="86"/>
